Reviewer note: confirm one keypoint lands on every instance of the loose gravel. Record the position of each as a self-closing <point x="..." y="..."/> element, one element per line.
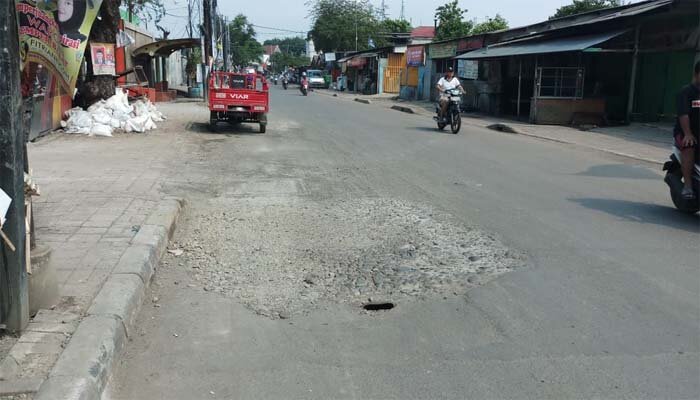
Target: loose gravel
<point x="284" y="257"/>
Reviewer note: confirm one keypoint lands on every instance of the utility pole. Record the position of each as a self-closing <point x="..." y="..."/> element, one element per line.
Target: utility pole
<point x="206" y="7"/>
<point x="14" y="300"/>
<point x="226" y="44"/>
<point x="189" y="18"/>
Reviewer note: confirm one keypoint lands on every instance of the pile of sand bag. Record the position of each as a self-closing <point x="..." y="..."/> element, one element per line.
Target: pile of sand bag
<point x="115" y="113"/>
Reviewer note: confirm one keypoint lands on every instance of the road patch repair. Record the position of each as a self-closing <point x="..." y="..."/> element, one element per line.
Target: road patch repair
<point x="281" y="257"/>
<point x="85" y="347"/>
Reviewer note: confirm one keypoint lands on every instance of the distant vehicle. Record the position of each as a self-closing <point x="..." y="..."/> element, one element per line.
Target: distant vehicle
<point x="674" y="181"/>
<point x="316" y="78"/>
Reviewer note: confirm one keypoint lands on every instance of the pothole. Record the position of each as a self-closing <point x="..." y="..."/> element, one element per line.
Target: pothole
<point x="279" y="256"/>
<point x="378" y="306"/>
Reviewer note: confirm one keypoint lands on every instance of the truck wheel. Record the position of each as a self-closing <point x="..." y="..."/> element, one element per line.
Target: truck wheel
<point x="212" y="121"/>
<point x="263" y="127"/>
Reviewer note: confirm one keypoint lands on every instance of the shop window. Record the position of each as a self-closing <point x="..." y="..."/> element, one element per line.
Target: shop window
<point x="561" y="82"/>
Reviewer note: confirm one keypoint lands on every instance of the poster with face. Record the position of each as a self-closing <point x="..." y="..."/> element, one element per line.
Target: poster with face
<point x="54" y="33"/>
<point x="102" y="58"/>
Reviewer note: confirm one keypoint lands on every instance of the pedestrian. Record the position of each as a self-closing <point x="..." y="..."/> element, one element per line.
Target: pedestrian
<point x="687" y="130"/>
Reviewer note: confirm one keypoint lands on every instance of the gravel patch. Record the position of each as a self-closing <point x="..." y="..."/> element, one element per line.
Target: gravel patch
<point x="281" y="258"/>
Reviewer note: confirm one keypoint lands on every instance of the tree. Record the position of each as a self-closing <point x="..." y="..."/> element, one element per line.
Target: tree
<point x="244" y="48"/>
<point x="149" y="10"/>
<point x="496" y="23"/>
<point x="582" y="6"/>
<point x="395" y="26"/>
<point x="343" y="24"/>
<point x="450" y="21"/>
<point x="104" y="30"/>
<point x="282" y="60"/>
<point x="294" y="45"/>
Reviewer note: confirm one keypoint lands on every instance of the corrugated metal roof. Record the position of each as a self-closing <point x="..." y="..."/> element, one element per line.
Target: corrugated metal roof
<point x="423" y="32"/>
<point x="575" y="43"/>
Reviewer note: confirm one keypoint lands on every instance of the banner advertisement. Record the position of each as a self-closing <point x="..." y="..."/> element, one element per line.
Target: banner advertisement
<point x="102" y="58"/>
<point x="414" y="56"/>
<point x="443" y="50"/>
<point x="54" y="33"/>
<point x="468" y="69"/>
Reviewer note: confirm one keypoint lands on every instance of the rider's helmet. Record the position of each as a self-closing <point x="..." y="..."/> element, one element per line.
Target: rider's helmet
<point x="303" y="74"/>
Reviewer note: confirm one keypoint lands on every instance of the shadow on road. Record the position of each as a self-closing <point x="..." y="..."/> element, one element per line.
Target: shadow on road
<point x="644" y="213"/>
<point x="224" y="128"/>
<point x="620" y="171"/>
<point x="432" y="130"/>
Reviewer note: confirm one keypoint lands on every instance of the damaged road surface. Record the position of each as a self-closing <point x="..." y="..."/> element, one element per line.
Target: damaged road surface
<point x="346" y="255"/>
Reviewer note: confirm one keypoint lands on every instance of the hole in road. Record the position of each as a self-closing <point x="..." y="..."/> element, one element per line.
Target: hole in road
<point x="378" y="306"/>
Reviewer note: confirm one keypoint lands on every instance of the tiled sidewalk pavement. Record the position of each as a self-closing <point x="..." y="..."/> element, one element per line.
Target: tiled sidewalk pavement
<point x="95" y="195"/>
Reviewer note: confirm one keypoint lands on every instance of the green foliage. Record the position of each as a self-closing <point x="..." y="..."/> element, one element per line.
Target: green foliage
<point x="395" y="26"/>
<point x="282" y="60"/>
<point x="451" y="23"/>
<point x="244" y="47"/>
<point x="335" y="24"/>
<point x="496" y="23"/>
<point x="294" y="45"/>
<point x="581" y="6"/>
<point x="149" y="10"/>
<point x="194" y="58"/>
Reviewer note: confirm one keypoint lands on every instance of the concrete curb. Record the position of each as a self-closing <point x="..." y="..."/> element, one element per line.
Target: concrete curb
<point x="363" y="101"/>
<point x="85" y="365"/>
<point x="407" y="110"/>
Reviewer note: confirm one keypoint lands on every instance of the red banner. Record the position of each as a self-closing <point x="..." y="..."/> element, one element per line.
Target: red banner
<point x="470" y="44"/>
<point x="415" y="56"/>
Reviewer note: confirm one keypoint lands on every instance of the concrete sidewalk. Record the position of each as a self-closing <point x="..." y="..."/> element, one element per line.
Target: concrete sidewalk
<point x="102" y="213"/>
<point x="643" y="142"/>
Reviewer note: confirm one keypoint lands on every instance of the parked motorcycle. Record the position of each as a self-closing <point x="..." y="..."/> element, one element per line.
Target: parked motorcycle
<point x="675" y="183"/>
<point x="453" y="117"/>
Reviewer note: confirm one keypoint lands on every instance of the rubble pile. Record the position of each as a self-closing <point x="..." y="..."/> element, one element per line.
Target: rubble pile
<point x="115" y="113"/>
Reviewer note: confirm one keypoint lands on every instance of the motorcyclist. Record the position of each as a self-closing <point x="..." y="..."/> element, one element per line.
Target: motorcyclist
<point x="304" y="81"/>
<point x="687" y="130"/>
<point x="447" y="82"/>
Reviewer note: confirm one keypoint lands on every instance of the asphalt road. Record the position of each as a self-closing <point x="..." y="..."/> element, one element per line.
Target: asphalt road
<point x="606" y="306"/>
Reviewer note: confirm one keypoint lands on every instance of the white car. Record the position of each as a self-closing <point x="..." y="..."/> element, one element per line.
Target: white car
<point x="315" y="78"/>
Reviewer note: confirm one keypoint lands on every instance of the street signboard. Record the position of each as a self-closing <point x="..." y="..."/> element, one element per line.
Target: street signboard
<point x="468" y="69"/>
<point x="415" y="56"/>
<point x="443" y="50"/>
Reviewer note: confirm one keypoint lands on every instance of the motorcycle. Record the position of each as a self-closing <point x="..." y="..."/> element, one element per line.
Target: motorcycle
<point x="453" y="117"/>
<point x="674" y="181"/>
<point x="285" y="82"/>
<point x="274" y="80"/>
<point x="304" y="87"/>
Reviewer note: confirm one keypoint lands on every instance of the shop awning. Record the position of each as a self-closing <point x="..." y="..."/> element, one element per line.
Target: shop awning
<point x="164" y="48"/>
<point x="362" y="55"/>
<point x="574" y="43"/>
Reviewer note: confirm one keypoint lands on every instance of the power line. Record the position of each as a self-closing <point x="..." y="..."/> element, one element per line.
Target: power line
<point x="277" y="29"/>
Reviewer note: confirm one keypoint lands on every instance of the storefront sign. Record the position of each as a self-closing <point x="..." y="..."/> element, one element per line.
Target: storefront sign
<point x="415" y="56"/>
<point x="468" y="69"/>
<point x="470" y="44"/>
<point x="102" y="58"/>
<point x="443" y="50"/>
<point x="357" y="62"/>
<point x="54" y="33"/>
<point x="329" y="57"/>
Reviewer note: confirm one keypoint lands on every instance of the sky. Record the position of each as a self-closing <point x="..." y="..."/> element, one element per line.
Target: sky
<point x="280" y="15"/>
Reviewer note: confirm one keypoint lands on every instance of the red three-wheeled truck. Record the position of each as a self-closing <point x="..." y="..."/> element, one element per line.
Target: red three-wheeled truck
<point x="238" y="97"/>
